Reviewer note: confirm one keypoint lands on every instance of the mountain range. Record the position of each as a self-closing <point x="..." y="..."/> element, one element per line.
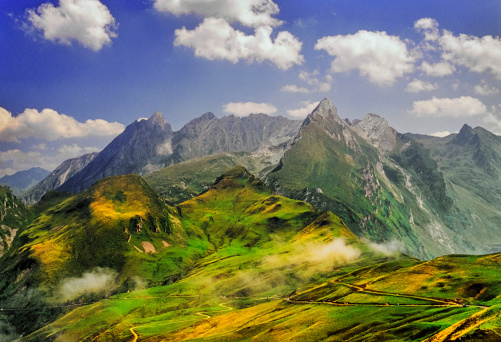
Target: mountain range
<point x="401" y="189"/>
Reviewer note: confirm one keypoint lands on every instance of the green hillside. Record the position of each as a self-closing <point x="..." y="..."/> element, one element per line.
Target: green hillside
<point x="238" y="263"/>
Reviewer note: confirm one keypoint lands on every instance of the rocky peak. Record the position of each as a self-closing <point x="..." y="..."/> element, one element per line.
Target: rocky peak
<point x="157" y="118"/>
<point x="326" y="109"/>
<point x="466" y="136"/>
<point x="208" y="116"/>
<point x="377" y="132"/>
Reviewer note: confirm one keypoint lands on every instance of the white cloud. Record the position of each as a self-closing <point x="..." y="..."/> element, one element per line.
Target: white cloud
<point x="417" y="86"/>
<point x="381" y="57"/>
<point x="477" y="54"/>
<point x="72" y="151"/>
<point x="484" y="89"/>
<point x="88" y="22"/>
<point x="429" y="26"/>
<point x="292" y="88"/>
<point x="246" y="108"/>
<point x="437" y="69"/>
<point x="50" y="125"/>
<point x="304" y="111"/>
<point x="251" y="13"/>
<point x="441" y="134"/>
<point x="215" y="39"/>
<point x="311" y="79"/>
<point x="446" y="107"/>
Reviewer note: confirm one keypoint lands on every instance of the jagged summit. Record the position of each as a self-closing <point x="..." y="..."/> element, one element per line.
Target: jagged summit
<point x="326" y="109"/>
<point x="465" y="136"/>
<point x="157" y="118"/>
<point x="377" y="132"/>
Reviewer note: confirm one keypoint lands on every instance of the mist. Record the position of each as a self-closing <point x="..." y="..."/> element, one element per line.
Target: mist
<point x="98" y="281"/>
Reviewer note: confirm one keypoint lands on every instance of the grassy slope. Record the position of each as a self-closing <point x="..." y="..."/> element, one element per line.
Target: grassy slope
<point x="317" y="161"/>
<point x="14" y="216"/>
<point x="265" y="247"/>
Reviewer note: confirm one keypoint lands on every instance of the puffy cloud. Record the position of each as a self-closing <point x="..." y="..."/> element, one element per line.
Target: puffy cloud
<point x="215" y="39"/>
<point x="484" y="89"/>
<point x="437" y="69"/>
<point x="304" y="111"/>
<point x="417" y="86"/>
<point x="246" y="108"/>
<point x="88" y="22"/>
<point x="50" y="125"/>
<point x="292" y="88"/>
<point x="441" y="134"/>
<point x="429" y="26"/>
<point x="477" y="54"/>
<point x="377" y="55"/>
<point x="311" y="79"/>
<point x="251" y="13"/>
<point x="72" y="151"/>
<point x="446" y="107"/>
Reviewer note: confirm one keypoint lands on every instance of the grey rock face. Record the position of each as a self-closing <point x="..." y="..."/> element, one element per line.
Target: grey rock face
<point x="377" y="132"/>
<point x="56" y="178"/>
<point x="149" y="145"/>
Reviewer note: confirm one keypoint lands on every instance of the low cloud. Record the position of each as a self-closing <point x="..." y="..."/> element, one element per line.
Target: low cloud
<point x="251" y="13"/>
<point x="292" y="88"/>
<point x="215" y="39"/>
<point x="50" y="125"/>
<point x="304" y="111"/>
<point x="381" y="57"/>
<point x="437" y="69"/>
<point x="88" y="22"/>
<point x="441" y="134"/>
<point x="484" y="89"/>
<point x="417" y="86"/>
<point x="388" y="248"/>
<point x="246" y="108"/>
<point x="12" y="161"/>
<point x="463" y="106"/>
<point x="100" y="281"/>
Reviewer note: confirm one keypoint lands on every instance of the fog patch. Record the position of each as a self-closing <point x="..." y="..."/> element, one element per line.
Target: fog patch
<point x="387" y="248"/>
<point x="100" y="281"/>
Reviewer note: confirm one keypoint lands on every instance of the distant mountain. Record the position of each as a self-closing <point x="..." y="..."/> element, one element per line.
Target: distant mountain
<point x="22" y="180"/>
<point x="149" y="145"/>
<point x="57" y="177"/>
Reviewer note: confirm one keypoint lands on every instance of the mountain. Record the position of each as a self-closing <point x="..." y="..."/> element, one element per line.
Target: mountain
<point x="265" y="267"/>
<point x="22" y="180"/>
<point x="149" y="145"/>
<point x="56" y="178"/>
<point x="13" y="218"/>
<point x="384" y="185"/>
<point x="471" y="164"/>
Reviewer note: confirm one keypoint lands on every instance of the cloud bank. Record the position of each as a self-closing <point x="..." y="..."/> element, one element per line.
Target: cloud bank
<point x="98" y="281"/>
<point x="463" y="106"/>
<point x="88" y="22"/>
<point x="246" y="108"/>
<point x="50" y="125"/>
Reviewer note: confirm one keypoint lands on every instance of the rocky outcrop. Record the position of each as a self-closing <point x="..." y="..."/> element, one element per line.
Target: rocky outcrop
<point x="56" y="178"/>
<point x="377" y="132"/>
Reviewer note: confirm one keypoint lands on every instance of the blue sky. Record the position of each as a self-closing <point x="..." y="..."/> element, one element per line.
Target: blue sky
<point x="73" y="73"/>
